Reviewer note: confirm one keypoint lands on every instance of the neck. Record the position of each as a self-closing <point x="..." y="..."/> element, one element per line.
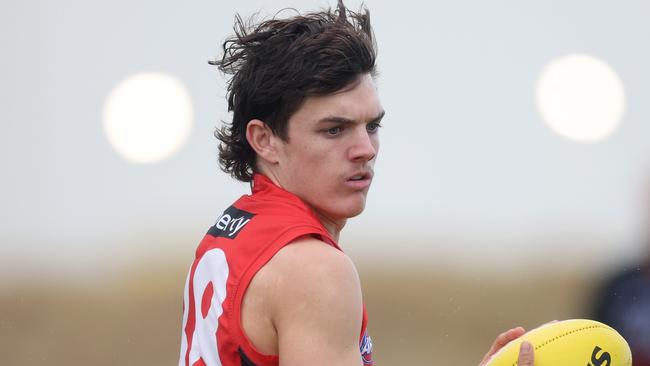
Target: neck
<point x="333" y="227"/>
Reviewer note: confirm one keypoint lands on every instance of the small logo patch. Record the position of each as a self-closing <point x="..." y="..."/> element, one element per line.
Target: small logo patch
<point x="230" y="223"/>
<point x="366" y="349"/>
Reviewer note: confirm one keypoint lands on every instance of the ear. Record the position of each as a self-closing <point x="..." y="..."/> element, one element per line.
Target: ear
<point x="262" y="140"/>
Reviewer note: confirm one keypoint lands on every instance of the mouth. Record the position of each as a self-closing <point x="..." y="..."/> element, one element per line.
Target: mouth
<point x="360" y="179"/>
<point x="361" y="175"/>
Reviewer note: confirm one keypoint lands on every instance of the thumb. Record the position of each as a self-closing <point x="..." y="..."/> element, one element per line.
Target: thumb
<point x="526" y="355"/>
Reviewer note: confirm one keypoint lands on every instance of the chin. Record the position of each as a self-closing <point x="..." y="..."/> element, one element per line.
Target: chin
<point x="341" y="209"/>
<point x="351" y="210"/>
<point x="355" y="213"/>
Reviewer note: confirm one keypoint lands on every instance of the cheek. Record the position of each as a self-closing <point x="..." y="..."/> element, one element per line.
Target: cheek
<point x="311" y="156"/>
<point x="307" y="164"/>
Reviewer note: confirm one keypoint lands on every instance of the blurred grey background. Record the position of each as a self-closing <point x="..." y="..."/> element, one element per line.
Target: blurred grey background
<point x="475" y="200"/>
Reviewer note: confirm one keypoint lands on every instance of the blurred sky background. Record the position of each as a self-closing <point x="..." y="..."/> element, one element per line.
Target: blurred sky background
<point x="481" y="217"/>
<point x="469" y="176"/>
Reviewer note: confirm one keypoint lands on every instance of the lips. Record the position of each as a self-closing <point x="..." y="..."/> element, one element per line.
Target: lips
<point x="360" y="180"/>
<point x="361" y="175"/>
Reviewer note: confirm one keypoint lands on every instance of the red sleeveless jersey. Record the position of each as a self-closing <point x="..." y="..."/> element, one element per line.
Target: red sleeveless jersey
<point x="243" y="239"/>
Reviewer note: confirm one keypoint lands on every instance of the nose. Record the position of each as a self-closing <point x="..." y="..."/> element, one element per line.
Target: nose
<point x="364" y="147"/>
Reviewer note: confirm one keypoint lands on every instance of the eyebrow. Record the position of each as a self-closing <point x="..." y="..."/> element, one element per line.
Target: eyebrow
<point x="343" y="120"/>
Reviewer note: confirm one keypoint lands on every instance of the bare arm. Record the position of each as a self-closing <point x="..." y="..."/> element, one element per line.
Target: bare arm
<point x="312" y="296"/>
<point x="317" y="310"/>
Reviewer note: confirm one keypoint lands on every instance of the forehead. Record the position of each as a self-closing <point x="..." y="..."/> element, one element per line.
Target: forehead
<point x="359" y="102"/>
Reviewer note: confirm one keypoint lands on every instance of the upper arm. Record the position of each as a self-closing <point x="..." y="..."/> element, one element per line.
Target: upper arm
<point x="317" y="310"/>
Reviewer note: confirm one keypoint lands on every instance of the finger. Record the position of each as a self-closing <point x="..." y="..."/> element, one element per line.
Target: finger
<point x="503" y="339"/>
<point x="526" y="354"/>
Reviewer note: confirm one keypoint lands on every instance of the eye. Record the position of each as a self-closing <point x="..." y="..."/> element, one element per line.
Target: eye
<point x="334" y="131"/>
<point x="373" y="127"/>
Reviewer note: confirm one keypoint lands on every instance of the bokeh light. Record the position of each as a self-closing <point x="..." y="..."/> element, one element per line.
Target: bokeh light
<point x="148" y="117"/>
<point x="580" y="98"/>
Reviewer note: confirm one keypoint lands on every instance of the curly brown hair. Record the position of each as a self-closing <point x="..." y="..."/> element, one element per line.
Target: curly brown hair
<point x="278" y="63"/>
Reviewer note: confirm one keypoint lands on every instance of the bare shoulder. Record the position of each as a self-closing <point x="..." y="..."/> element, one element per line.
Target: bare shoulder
<point x="316" y="300"/>
<point x="310" y="270"/>
<point x="310" y="257"/>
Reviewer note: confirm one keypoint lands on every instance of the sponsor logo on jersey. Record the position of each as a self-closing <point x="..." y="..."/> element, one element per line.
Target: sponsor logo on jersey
<point x="366" y="349"/>
<point x="230" y="223"/>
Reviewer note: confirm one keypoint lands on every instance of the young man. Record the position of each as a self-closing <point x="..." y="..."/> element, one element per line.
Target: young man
<point x="270" y="284"/>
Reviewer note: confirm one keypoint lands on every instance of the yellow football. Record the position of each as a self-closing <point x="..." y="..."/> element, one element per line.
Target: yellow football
<point x="575" y="342"/>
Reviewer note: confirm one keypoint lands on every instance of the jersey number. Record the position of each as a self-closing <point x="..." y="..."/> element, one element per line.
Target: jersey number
<point x="202" y="306"/>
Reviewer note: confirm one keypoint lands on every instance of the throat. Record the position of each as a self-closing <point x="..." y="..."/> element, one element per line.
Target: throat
<point x="333" y="227"/>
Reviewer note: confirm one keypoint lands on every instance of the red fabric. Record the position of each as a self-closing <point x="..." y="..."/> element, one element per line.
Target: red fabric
<point x="206" y="301"/>
<point x="277" y="218"/>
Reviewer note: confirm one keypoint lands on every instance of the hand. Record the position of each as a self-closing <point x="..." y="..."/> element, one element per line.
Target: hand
<point x="526" y="356"/>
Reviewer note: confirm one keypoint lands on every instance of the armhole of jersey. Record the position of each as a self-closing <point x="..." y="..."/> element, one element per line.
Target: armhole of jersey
<point x="364" y="323"/>
<point x="282" y="240"/>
